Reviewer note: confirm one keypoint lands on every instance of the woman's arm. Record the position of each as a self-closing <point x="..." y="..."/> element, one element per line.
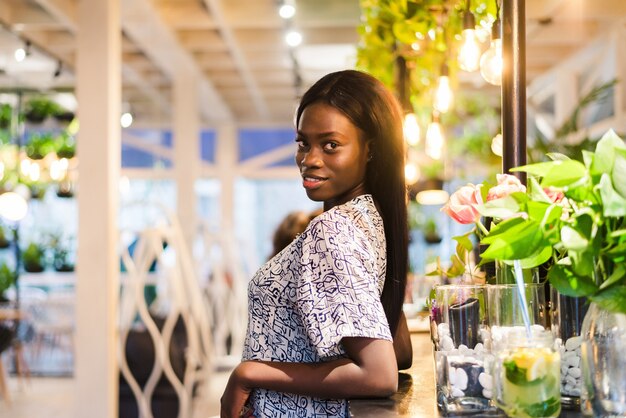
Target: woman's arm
<point x="402" y="344"/>
<point x="369" y="370"/>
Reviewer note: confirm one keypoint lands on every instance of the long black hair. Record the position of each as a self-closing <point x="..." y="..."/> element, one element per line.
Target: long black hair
<point x="371" y="107"/>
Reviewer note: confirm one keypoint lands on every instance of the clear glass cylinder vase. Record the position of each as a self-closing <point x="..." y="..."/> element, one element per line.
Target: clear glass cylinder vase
<point x="566" y="319"/>
<point x="603" y="363"/>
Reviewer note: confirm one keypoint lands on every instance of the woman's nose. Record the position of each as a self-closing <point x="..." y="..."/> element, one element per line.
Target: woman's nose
<point x="310" y="158"/>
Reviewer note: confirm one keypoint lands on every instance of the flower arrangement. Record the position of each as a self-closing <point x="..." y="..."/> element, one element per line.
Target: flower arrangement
<point x="464" y="206"/>
<point x="573" y="216"/>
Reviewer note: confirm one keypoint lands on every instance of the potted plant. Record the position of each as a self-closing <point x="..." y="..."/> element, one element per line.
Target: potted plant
<point x="574" y="214"/>
<point x="7" y="279"/>
<point x="39" y="145"/>
<point x="39" y="108"/>
<point x="33" y="258"/>
<point x="431" y="236"/>
<point x="65" y="146"/>
<point x="6" y="111"/>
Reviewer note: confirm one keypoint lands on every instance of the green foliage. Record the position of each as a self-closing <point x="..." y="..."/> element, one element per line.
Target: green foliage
<point x="7" y="278"/>
<point x="583" y="229"/>
<point x="33" y="257"/>
<point x="403" y="28"/>
<point x="542" y="146"/>
<point x="65" y="146"/>
<point x="40" y="145"/>
<point x="6" y="112"/>
<point x="38" y="108"/>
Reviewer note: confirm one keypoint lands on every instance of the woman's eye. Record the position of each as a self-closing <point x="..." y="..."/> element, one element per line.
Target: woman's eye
<point x="301" y="144"/>
<point x="330" y="146"/>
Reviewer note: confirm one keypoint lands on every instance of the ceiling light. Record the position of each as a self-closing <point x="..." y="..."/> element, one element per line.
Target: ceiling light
<point x="13" y="206"/>
<point x="287" y="10"/>
<point x="434" y="139"/>
<point x="496" y="145"/>
<point x="469" y="54"/>
<point x="411" y="129"/>
<point x="20" y="54"/>
<point x="491" y="61"/>
<point x="293" y="38"/>
<point x="126" y="119"/>
<point x="411" y="173"/>
<point x="432" y="197"/>
<point x="443" y="93"/>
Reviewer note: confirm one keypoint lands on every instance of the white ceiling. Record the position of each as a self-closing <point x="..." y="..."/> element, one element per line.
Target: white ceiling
<point x="249" y="74"/>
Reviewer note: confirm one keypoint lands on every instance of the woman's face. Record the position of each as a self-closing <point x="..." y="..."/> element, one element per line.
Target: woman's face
<point x="332" y="155"/>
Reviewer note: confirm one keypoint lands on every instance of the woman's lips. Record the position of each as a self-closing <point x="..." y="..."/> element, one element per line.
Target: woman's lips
<point x="312" y="182"/>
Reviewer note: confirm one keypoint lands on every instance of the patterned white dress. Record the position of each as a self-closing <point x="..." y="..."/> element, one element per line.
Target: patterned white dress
<point x="322" y="287"/>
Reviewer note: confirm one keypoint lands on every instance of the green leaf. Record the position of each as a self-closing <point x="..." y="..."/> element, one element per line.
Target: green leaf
<point x="518" y="242"/>
<point x="588" y="158"/>
<point x="567" y="283"/>
<point x="605" y="153"/>
<point x="612" y="298"/>
<point x="618" y="275"/>
<point x="502" y="228"/>
<point x="502" y="208"/>
<point x="541" y="256"/>
<point x="557" y="156"/>
<point x="618" y="175"/>
<point x="535" y="191"/>
<point x="556" y="173"/>
<point x="552" y="214"/>
<point x="547" y="408"/>
<point x="464" y="241"/>
<point x="614" y="204"/>
<point x="572" y="239"/>
<point x="582" y="262"/>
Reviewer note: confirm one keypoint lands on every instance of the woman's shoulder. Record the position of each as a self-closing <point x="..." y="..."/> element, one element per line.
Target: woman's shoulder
<point x="355" y="213"/>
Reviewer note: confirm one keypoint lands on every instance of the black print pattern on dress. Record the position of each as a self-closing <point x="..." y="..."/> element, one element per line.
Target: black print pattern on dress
<point x="324" y="286"/>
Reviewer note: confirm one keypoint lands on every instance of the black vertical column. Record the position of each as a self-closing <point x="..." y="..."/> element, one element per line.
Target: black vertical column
<point x="514" y="86"/>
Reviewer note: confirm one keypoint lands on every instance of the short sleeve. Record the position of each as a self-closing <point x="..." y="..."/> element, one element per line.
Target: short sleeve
<point x="337" y="293"/>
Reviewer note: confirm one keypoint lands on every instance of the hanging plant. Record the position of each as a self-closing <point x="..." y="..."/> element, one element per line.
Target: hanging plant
<point x="6" y="112"/>
<point x="39" y="108"/>
<point x="33" y="258"/>
<point x="40" y="145"/>
<point x="65" y="146"/>
<point x="425" y="33"/>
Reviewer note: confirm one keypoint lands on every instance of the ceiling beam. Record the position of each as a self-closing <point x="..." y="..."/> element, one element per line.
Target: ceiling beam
<point x="215" y="8"/>
<point x="143" y="25"/>
<point x="66" y="12"/>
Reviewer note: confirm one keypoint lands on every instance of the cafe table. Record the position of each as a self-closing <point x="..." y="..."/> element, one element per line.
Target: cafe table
<point x="416" y="397"/>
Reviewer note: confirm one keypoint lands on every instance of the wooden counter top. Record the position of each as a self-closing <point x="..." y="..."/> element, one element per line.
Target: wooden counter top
<point x="416" y="388"/>
<point x="416" y="395"/>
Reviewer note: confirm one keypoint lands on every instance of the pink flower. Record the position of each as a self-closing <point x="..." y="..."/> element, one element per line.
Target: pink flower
<point x="507" y="184"/>
<point x="462" y="204"/>
<point x="555" y="196"/>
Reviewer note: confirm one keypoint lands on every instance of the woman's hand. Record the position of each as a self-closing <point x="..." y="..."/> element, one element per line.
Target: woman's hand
<point x="235" y="395"/>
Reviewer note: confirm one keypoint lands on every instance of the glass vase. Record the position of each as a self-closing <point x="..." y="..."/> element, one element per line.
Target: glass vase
<point x="566" y="314"/>
<point x="603" y="363"/>
<point x="459" y="333"/>
<point x="526" y="375"/>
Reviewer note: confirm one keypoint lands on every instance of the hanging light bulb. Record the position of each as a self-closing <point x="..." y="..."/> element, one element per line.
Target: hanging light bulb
<point x="293" y="38"/>
<point x="496" y="145"/>
<point x="491" y="62"/>
<point x="287" y="10"/>
<point x="469" y="54"/>
<point x="443" y="93"/>
<point x="411" y="129"/>
<point x="434" y="138"/>
<point x="411" y="173"/>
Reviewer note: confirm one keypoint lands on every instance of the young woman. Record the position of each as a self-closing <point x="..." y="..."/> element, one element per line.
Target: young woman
<point x="322" y="312"/>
